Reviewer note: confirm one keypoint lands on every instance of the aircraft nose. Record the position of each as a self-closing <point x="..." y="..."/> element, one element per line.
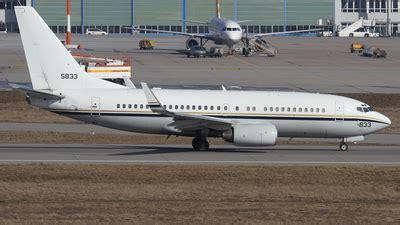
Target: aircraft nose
<point x="387" y="120"/>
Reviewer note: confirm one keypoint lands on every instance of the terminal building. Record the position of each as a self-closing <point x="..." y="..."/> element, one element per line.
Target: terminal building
<point x="260" y="16"/>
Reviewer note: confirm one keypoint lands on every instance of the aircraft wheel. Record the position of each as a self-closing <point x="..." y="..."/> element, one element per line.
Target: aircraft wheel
<point x="200" y="144"/>
<point x="343" y="147"/>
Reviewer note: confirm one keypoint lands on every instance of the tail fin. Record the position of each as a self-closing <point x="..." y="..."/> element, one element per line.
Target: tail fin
<point x="218" y="9"/>
<point x="50" y="65"/>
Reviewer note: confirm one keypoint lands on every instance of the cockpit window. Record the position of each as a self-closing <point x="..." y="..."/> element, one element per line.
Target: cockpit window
<point x="365" y="108"/>
<point x="229" y="29"/>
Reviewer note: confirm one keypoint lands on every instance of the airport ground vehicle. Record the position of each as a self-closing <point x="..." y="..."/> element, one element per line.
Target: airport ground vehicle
<point x="3" y="28"/>
<point x="362" y="32"/>
<point x="146" y="44"/>
<point x="95" y="31"/>
<point x="216" y="52"/>
<point x="360" y="28"/>
<point x="374" y="52"/>
<point x="197" y="52"/>
<point x="356" y="47"/>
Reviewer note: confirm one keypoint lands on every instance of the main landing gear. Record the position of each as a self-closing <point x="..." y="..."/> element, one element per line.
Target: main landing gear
<point x="200" y="144"/>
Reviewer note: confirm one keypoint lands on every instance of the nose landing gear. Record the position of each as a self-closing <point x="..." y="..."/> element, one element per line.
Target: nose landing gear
<point x="343" y="146"/>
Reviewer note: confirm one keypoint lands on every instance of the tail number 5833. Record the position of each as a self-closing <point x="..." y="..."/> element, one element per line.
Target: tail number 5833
<point x="69" y="76"/>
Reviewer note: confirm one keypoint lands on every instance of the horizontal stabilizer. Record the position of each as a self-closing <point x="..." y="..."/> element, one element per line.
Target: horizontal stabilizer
<point x="40" y="94"/>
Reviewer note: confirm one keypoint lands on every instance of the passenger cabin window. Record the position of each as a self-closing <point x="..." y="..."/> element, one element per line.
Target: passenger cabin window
<point x="147" y="106"/>
<point x="176" y="107"/>
<point x="288" y="109"/>
<point x="248" y="108"/>
<point x="254" y="108"/>
<point x="212" y="108"/>
<point x="311" y="109"/>
<point x="218" y="107"/>
<point x="226" y="108"/>
<point x="317" y="110"/>
<point x="277" y="109"/>
<point x="118" y="106"/>
<point x="199" y="108"/>
<point x="237" y="108"/>
<point x="130" y="106"/>
<point x="141" y="106"/>
<point x="123" y="106"/>
<point x="294" y="109"/>
<point x="193" y="107"/>
<point x="271" y="109"/>
<point x="135" y="106"/>
<point x="170" y="106"/>
<point x="283" y="109"/>
<point x="265" y="109"/>
<point x="323" y="110"/>
<point x="205" y="107"/>
<point x="188" y="107"/>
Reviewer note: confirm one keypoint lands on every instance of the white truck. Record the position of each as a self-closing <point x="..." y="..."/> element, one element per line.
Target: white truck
<point x="360" y="28"/>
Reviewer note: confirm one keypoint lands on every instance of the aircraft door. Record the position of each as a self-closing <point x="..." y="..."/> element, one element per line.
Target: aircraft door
<point x="339" y="111"/>
<point x="95" y="107"/>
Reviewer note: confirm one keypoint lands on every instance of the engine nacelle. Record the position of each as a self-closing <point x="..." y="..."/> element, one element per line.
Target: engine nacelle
<point x="191" y="42"/>
<point x="252" y="135"/>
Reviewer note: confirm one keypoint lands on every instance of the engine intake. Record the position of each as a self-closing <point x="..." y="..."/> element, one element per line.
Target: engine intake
<point x="252" y="135"/>
<point x="191" y="42"/>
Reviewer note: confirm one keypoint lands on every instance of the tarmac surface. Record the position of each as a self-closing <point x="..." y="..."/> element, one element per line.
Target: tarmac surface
<point x="179" y="154"/>
<point x="308" y="64"/>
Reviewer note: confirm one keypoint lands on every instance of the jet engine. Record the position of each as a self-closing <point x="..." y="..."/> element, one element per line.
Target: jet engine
<point x="252" y="135"/>
<point x="191" y="42"/>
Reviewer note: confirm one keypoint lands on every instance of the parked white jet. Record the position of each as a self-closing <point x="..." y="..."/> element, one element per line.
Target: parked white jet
<point x="244" y="118"/>
<point x="222" y="31"/>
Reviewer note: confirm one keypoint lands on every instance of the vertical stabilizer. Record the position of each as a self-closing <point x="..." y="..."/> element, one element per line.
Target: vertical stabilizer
<point x="218" y="9"/>
<point x="50" y="65"/>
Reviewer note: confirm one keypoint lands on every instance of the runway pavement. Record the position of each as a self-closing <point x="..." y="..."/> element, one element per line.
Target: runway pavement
<point x="179" y="154"/>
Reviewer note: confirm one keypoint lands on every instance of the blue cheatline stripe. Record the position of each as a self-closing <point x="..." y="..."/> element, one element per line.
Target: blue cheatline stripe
<point x="153" y="115"/>
<point x="83" y="16"/>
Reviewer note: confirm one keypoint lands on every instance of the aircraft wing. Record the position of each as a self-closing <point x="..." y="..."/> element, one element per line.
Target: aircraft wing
<point x="205" y="36"/>
<point x="185" y="121"/>
<point x="285" y="32"/>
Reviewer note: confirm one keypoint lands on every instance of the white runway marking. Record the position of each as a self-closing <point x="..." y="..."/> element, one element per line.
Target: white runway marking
<point x="195" y="162"/>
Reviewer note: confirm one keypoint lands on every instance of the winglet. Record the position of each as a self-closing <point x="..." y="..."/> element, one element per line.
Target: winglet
<point x="153" y="102"/>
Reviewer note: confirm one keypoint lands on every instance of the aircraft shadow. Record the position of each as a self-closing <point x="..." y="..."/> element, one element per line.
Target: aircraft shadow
<point x="154" y="150"/>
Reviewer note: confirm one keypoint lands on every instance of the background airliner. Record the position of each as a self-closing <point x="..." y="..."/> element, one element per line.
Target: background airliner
<point x="222" y="31"/>
<point x="244" y="118"/>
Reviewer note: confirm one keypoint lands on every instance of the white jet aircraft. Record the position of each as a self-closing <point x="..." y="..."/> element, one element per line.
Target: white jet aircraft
<point x="222" y="31"/>
<point x="244" y="118"/>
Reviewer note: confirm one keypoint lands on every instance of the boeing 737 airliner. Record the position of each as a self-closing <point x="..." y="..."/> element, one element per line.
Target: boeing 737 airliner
<point x="244" y="118"/>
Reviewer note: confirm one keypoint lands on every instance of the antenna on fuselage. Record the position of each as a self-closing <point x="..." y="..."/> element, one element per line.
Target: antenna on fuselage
<point x="218" y="9"/>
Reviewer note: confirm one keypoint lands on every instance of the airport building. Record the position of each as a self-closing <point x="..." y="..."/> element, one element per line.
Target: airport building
<point x="259" y="16"/>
